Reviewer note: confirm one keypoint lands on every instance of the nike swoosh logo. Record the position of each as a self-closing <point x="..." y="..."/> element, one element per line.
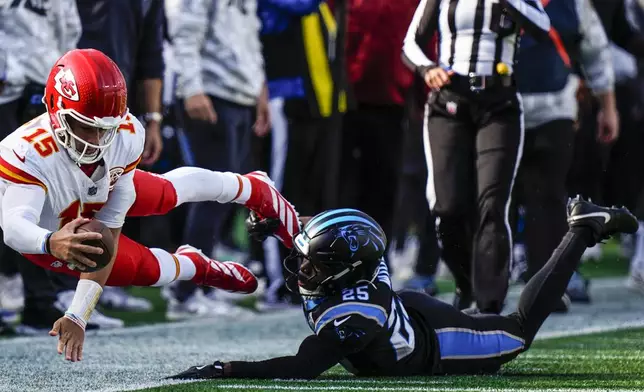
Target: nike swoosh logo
<point x="604" y="215"/>
<point x="22" y="159"/>
<point x="200" y="367"/>
<point x="339" y="322"/>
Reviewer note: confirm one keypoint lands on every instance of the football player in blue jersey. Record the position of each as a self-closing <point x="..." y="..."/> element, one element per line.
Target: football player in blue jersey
<point x="360" y="322"/>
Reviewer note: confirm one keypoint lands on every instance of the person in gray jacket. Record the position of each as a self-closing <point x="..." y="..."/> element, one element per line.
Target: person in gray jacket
<point x="221" y="81"/>
<point x="33" y="35"/>
<point x="548" y="84"/>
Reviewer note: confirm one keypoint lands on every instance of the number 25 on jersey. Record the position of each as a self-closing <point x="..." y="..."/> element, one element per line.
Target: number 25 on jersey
<point x="351" y="294"/>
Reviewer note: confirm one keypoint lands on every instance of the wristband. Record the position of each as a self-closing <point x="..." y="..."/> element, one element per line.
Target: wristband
<point x="153" y="116"/>
<point x="46" y="244"/>
<point x="85" y="299"/>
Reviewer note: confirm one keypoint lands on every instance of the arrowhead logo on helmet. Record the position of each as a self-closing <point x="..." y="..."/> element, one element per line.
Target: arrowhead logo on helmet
<point x="66" y="84"/>
<point x="102" y="107"/>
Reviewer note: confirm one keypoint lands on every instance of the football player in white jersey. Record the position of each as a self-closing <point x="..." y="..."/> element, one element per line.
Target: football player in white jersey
<point x="78" y="161"/>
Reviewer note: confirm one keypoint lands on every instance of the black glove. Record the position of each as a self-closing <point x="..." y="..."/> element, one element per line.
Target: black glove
<point x="205" y="372"/>
<point x="260" y="229"/>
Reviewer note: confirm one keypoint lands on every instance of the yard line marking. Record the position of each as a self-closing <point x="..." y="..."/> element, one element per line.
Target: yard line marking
<point x="590" y="330"/>
<point x="402" y="388"/>
<point x="434" y="380"/>
<point x="571" y="356"/>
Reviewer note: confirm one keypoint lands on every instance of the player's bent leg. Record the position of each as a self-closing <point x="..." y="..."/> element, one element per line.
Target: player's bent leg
<point x="137" y="265"/>
<point x="158" y="194"/>
<point x="155" y="195"/>
<point x="589" y="224"/>
<point x="467" y="344"/>
<point x="254" y="190"/>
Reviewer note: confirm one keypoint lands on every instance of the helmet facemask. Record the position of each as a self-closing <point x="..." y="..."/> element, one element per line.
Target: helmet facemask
<point x="314" y="279"/>
<point x="302" y="282"/>
<point x="81" y="151"/>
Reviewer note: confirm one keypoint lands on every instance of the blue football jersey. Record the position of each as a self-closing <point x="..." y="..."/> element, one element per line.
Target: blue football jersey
<point x="369" y="323"/>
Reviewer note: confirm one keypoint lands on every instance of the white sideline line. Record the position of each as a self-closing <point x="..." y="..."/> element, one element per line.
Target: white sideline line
<point x="401" y="388"/>
<point x="566" y="357"/>
<point x="432" y="380"/>
<point x="590" y="330"/>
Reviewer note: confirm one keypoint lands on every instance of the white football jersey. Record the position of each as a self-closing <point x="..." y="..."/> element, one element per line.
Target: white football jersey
<point x="31" y="155"/>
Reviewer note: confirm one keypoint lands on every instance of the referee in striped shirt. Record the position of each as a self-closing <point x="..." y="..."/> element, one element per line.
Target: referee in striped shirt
<point x="473" y="133"/>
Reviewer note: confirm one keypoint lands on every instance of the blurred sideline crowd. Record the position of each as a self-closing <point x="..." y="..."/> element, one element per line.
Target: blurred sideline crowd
<point x="242" y="85"/>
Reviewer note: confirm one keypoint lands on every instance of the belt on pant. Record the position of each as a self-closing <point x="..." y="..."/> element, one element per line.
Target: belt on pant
<point x="476" y="83"/>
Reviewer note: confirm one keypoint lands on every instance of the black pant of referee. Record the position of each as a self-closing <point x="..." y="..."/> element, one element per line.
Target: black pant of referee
<point x="541" y="188"/>
<point x="473" y="144"/>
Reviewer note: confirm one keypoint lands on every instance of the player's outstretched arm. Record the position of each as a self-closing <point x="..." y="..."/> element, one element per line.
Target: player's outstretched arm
<point x="70" y="328"/>
<point x="312" y="359"/>
<point x="21" y="209"/>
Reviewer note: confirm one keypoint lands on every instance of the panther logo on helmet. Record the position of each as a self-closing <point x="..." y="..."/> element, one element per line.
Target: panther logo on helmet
<point x="351" y="235"/>
<point x="65" y="84"/>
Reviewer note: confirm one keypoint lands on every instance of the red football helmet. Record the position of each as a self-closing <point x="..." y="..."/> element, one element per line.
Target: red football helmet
<point x="88" y="86"/>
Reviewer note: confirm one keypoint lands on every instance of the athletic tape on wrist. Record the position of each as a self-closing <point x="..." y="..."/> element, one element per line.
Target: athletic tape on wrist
<point x="76" y="320"/>
<point x="85" y="299"/>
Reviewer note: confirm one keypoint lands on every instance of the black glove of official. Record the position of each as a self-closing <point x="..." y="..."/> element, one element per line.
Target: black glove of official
<point x="260" y="229"/>
<point x="205" y="372"/>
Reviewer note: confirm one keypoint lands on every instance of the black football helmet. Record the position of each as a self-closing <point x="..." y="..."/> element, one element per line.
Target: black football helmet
<point x="335" y="250"/>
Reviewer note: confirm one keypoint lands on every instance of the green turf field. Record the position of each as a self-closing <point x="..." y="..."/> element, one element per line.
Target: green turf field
<point x="608" y="361"/>
<point x="141" y="357"/>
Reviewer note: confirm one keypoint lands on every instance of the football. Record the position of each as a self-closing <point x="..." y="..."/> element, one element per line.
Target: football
<point x="106" y="243"/>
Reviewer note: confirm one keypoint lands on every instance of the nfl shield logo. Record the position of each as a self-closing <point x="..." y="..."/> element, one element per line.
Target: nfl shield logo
<point x="451" y="107"/>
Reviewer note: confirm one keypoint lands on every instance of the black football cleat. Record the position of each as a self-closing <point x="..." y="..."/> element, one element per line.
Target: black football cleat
<point x="205" y="372"/>
<point x="604" y="221"/>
